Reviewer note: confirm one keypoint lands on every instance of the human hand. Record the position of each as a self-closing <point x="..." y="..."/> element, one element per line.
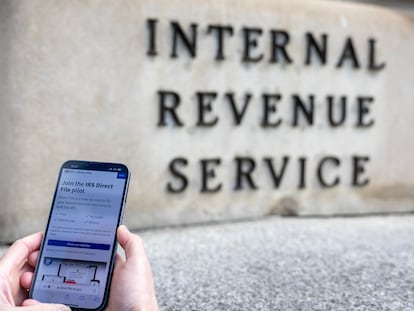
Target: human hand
<point x="132" y="286"/>
<point x="16" y="272"/>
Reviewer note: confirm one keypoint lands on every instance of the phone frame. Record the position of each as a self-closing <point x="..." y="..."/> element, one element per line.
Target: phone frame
<point x="96" y="166"/>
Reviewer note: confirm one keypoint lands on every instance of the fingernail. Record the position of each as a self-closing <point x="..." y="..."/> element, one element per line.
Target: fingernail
<point x="64" y="308"/>
<point x="123" y="227"/>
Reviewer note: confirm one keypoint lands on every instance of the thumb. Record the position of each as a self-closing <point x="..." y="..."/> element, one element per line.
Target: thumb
<point x="45" y="307"/>
<point x="131" y="243"/>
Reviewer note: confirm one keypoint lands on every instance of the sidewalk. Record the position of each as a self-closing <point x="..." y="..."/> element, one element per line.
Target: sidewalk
<point x="364" y="263"/>
<point x="285" y="264"/>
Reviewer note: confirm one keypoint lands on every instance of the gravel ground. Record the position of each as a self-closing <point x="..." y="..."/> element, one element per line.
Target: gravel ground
<point x="286" y="264"/>
<point x="364" y="263"/>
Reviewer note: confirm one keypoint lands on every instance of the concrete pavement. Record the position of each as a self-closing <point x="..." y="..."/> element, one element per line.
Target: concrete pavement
<point x="364" y="263"/>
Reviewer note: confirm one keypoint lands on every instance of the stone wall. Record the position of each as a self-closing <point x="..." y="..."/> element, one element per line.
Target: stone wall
<point x="222" y="110"/>
<point x="405" y="7"/>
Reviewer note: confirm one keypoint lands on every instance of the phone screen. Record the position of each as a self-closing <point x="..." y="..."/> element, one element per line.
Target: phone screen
<point x="79" y="245"/>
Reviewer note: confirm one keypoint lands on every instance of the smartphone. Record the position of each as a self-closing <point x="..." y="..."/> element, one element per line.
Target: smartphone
<point x="79" y="245"/>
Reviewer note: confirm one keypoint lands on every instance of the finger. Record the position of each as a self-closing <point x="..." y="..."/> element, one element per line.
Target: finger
<point x="30" y="302"/>
<point x="20" y="250"/>
<point x="26" y="268"/>
<point x="32" y="260"/>
<point x="42" y="306"/>
<point x="131" y="243"/>
<point x="119" y="261"/>
<point x="26" y="275"/>
<point x="19" y="292"/>
<point x="45" y="307"/>
<point x="26" y="280"/>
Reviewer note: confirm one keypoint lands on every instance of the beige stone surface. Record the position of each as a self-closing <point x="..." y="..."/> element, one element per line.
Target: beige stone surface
<point x="76" y="83"/>
<point x="402" y="6"/>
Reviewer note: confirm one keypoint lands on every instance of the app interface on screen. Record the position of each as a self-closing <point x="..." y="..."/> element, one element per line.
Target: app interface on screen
<point x="78" y="246"/>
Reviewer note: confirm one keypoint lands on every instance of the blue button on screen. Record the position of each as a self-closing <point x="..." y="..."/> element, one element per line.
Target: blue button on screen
<point x="121" y="175"/>
<point x="78" y="244"/>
